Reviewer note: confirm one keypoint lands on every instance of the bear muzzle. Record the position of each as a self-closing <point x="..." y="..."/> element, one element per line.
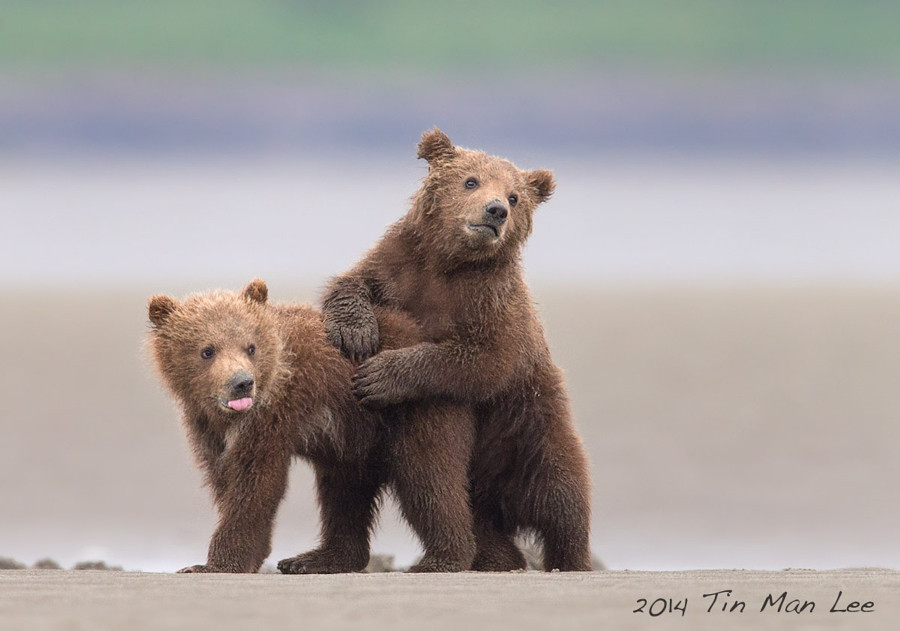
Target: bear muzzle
<point x="240" y="389"/>
<point x="493" y="216"/>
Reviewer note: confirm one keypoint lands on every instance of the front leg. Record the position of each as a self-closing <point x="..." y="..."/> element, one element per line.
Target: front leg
<point x="350" y="321"/>
<point x="208" y="446"/>
<point x="254" y="472"/>
<point x="459" y="370"/>
<point x="348" y="500"/>
<point x="385" y="380"/>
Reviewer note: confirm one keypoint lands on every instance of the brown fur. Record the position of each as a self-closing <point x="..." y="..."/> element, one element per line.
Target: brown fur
<point x="302" y="405"/>
<point x="483" y="346"/>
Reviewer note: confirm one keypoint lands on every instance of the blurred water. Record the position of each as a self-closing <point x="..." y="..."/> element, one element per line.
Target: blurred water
<point x="569" y="110"/>
<point x="196" y="223"/>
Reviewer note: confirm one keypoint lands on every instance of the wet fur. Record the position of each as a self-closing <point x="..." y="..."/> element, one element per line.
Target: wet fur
<point x="303" y="406"/>
<point x="482" y="347"/>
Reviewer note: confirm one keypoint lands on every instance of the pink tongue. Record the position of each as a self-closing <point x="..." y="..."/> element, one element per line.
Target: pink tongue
<point x="240" y="404"/>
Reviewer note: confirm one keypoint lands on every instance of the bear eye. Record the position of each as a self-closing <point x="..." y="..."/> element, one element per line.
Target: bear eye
<point x="251" y="350"/>
<point x="207" y="352"/>
<point x="513" y="200"/>
<point x="471" y="183"/>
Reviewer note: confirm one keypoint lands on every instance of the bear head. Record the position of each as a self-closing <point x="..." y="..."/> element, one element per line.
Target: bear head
<point x="219" y="353"/>
<point x="472" y="206"/>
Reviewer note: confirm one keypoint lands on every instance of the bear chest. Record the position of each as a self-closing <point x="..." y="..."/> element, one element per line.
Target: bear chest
<point x="440" y="308"/>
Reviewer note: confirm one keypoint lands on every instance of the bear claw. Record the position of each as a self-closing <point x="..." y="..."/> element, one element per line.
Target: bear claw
<point x="356" y="342"/>
<point x="431" y="564"/>
<point x="197" y="569"/>
<point x="319" y="562"/>
<point x="372" y="384"/>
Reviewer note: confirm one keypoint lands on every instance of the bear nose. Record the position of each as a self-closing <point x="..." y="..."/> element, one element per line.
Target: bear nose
<point x="495" y="212"/>
<point x="241" y="384"/>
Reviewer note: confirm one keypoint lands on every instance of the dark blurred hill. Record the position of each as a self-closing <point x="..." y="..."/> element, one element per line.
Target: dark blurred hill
<point x="573" y="115"/>
<point x="277" y="76"/>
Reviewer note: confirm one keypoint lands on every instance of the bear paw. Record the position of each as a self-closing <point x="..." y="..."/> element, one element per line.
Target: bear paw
<point x="377" y="382"/>
<point x="499" y="556"/>
<point x="199" y="569"/>
<point x="356" y="342"/>
<point x="433" y="564"/>
<point x="321" y="562"/>
<point x="482" y="564"/>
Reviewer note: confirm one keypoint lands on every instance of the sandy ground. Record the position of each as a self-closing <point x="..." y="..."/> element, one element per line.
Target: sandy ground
<point x="38" y="600"/>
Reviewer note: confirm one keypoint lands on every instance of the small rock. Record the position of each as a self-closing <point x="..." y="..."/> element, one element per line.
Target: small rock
<point x="46" y="564"/>
<point x="96" y="565"/>
<point x="10" y="564"/>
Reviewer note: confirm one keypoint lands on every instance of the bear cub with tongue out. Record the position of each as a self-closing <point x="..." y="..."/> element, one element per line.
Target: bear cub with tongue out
<point x="259" y="383"/>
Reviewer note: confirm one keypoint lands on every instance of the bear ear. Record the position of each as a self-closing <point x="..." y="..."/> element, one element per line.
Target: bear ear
<point x="257" y="291"/>
<point x="436" y="147"/>
<point x="541" y="183"/>
<point x="159" y="308"/>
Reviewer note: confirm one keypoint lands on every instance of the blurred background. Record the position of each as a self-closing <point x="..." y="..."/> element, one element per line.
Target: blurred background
<point x="718" y="272"/>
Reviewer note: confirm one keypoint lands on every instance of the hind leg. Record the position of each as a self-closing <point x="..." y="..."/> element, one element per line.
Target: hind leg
<point x="560" y="509"/>
<point x="431" y="449"/>
<point x="496" y="551"/>
<point x="547" y="486"/>
<point x="348" y="501"/>
<point x="562" y="519"/>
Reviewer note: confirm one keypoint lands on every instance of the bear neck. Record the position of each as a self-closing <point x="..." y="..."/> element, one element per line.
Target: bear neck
<point x="220" y="421"/>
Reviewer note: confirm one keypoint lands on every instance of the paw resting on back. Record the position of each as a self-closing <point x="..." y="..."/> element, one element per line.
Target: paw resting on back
<point x="378" y="381"/>
<point x="356" y="341"/>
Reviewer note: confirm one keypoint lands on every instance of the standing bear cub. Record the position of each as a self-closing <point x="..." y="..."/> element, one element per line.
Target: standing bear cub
<point x="453" y="265"/>
<point x="259" y="383"/>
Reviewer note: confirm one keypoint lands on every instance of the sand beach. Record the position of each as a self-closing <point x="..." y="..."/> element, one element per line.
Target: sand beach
<point x="714" y="599"/>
